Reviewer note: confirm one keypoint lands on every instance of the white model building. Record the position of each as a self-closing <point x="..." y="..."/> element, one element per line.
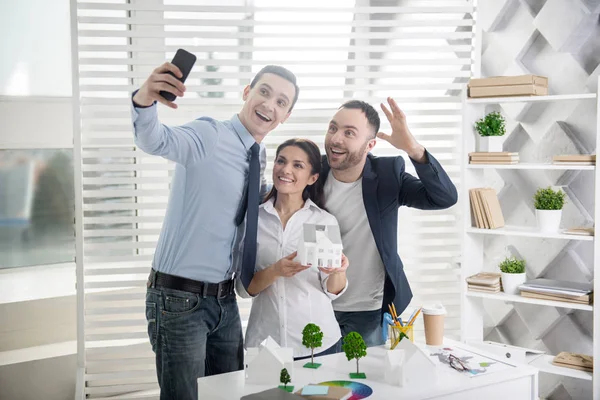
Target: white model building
<point x="263" y="364"/>
<point x="408" y="363"/>
<point x="320" y="246"/>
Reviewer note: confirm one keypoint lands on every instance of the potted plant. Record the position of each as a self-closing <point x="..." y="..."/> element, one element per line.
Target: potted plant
<point x="285" y="378"/>
<point x="355" y="348"/>
<point x="490" y="129"/>
<point x="548" y="208"/>
<point x="512" y="274"/>
<point x="312" y="337"/>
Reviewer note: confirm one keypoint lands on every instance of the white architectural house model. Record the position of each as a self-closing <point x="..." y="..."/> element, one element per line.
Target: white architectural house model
<point x="320" y="246"/>
<point x="394" y="367"/>
<point x="263" y="364"/>
<point x="407" y="363"/>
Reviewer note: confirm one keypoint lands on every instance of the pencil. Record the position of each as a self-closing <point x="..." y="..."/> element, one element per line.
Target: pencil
<point x="393" y="312"/>
<point x="415" y="317"/>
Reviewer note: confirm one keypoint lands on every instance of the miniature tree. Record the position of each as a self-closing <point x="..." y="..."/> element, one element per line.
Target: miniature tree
<point x="355" y="348"/>
<point x="312" y="337"/>
<point x="285" y="379"/>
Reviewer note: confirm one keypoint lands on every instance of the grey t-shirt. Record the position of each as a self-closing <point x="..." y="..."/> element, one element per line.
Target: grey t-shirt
<point x="366" y="273"/>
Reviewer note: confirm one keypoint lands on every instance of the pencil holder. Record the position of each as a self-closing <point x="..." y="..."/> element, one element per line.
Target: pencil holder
<point x="394" y="332"/>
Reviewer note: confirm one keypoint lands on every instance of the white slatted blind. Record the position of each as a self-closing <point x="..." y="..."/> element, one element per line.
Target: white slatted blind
<point x="419" y="52"/>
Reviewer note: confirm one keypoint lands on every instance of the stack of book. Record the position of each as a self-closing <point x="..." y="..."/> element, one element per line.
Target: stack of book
<point x="487" y="282"/>
<point x="499" y="157"/>
<point x="522" y="85"/>
<point x="574" y="159"/>
<point x="485" y="209"/>
<point x="581" y="362"/>
<point x="549" y="289"/>
<point x="581" y="231"/>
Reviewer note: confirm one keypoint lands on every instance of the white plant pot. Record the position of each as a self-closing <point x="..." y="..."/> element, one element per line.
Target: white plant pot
<point x="511" y="282"/>
<point x="548" y="220"/>
<point x="490" y="143"/>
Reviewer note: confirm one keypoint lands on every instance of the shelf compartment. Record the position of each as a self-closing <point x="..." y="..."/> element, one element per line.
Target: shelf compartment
<point x="514" y="298"/>
<point x="532" y="99"/>
<point x="533" y="166"/>
<point x="544" y="364"/>
<point x="527" y="232"/>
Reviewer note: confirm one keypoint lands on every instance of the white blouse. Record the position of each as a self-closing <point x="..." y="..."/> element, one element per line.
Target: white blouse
<point x="283" y="309"/>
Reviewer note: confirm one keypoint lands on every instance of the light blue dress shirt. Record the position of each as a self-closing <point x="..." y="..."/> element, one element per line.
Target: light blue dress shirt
<point x="199" y="234"/>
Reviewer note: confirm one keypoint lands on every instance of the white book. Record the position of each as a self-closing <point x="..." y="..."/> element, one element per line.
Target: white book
<point x="543" y="285"/>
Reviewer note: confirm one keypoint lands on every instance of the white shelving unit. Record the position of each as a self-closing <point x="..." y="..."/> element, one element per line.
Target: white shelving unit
<point x="473" y="238"/>
<point x="527" y="232"/>
<point x="531" y="166"/>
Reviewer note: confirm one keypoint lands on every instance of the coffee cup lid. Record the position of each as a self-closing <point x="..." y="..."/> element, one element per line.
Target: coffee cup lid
<point x="434" y="309"/>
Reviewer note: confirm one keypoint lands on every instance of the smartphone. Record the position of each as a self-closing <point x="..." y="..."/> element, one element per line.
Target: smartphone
<point x="184" y="60"/>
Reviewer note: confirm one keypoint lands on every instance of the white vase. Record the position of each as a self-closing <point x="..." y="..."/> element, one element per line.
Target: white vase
<point x="490" y="143"/>
<point x="548" y="220"/>
<point x="511" y="282"/>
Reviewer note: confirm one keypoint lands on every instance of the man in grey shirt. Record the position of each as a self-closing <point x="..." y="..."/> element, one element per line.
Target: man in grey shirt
<point x="364" y="193"/>
<point x="193" y="319"/>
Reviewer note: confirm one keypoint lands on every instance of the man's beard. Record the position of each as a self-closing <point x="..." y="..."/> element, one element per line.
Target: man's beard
<point x="351" y="159"/>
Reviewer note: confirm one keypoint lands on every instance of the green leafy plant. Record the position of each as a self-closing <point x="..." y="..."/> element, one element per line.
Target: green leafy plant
<point x="355" y="348"/>
<point x="285" y="377"/>
<point x="312" y="337"/>
<point x="491" y="125"/>
<point x="548" y="199"/>
<point x="511" y="265"/>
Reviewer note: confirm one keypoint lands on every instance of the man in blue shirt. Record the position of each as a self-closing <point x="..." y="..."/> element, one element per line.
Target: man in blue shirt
<point x="193" y="318"/>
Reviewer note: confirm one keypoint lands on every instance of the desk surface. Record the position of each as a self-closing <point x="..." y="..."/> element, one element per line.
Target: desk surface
<point x="336" y="367"/>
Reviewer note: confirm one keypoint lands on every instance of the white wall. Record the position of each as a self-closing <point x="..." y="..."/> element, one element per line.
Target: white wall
<point x="35" y="122"/>
<point x="35" y="74"/>
<point x="49" y="379"/>
<point x="35" y="112"/>
<point x="35" y="47"/>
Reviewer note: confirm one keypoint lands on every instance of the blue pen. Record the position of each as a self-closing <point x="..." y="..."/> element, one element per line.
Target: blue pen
<point x="400" y="320"/>
<point x="412" y="315"/>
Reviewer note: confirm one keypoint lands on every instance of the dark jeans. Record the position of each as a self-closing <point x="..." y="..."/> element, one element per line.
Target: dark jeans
<point x="336" y="348"/>
<point x="192" y="337"/>
<point x="367" y="323"/>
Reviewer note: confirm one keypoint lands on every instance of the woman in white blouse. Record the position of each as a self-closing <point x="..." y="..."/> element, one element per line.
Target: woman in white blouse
<point x="288" y="294"/>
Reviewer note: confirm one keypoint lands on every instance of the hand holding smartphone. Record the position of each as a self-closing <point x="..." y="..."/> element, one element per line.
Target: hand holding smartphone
<point x="166" y="81"/>
<point x="184" y="61"/>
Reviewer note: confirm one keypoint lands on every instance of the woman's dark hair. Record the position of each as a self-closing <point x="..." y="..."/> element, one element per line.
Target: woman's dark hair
<point x="314" y="191"/>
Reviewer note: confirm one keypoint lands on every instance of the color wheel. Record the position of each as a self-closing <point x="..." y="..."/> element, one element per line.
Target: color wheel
<point x="359" y="390"/>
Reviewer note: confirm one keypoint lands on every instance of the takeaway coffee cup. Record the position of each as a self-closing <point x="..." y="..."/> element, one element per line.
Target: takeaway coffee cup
<point x="433" y="319"/>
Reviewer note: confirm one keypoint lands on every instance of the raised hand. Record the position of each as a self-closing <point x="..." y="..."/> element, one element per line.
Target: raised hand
<point x="401" y="137"/>
<point x="160" y="79"/>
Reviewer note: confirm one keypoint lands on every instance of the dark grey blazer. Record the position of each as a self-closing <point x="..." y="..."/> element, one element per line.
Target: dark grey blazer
<point x="386" y="186"/>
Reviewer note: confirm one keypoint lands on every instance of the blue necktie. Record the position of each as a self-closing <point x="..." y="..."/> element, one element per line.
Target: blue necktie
<point x="250" y="208"/>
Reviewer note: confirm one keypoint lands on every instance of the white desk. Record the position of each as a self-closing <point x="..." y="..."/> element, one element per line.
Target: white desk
<point x="520" y="382"/>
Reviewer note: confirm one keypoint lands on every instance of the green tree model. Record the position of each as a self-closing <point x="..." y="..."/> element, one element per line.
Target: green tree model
<point x="312" y="337"/>
<point x="355" y="348"/>
<point x="285" y="377"/>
